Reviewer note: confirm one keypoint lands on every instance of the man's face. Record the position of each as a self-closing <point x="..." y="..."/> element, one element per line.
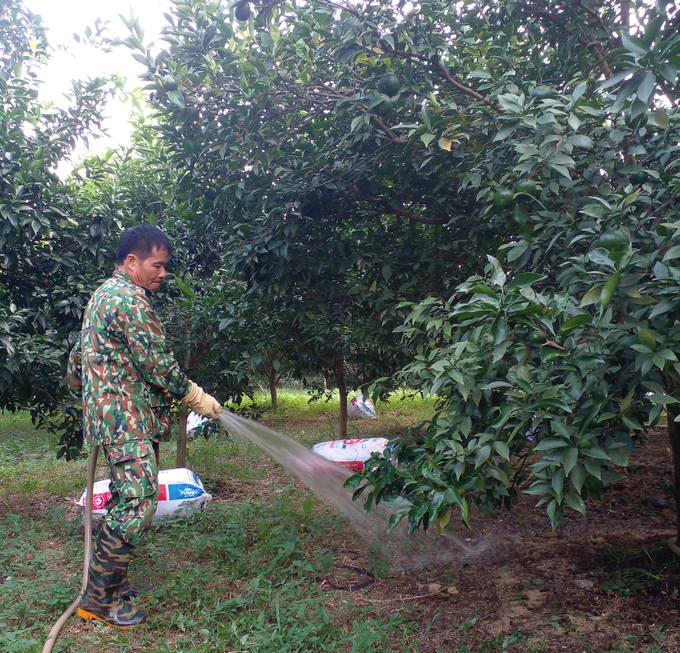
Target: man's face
<point x="149" y="272"/>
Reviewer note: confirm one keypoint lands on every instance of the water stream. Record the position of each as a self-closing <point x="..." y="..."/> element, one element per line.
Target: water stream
<point x="326" y="480"/>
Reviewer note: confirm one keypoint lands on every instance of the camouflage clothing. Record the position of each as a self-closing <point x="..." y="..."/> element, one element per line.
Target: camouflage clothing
<point x="134" y="489"/>
<point x="128" y="377"/>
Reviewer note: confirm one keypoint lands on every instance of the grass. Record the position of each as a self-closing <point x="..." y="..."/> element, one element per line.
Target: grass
<point x="239" y="577"/>
<point x="293" y="402"/>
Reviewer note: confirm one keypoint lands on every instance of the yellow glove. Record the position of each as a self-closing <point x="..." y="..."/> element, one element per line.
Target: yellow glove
<point x="202" y="403"/>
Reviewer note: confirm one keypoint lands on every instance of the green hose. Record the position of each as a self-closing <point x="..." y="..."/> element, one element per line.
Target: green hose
<point x="56" y="629"/>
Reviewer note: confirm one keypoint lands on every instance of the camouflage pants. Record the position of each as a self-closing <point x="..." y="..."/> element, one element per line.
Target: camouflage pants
<point x="134" y="489"/>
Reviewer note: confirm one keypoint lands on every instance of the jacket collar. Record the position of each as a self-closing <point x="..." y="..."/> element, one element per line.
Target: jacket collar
<point x="125" y="278"/>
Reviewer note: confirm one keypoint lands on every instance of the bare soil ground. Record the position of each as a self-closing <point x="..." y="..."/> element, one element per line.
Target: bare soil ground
<point x="605" y="583"/>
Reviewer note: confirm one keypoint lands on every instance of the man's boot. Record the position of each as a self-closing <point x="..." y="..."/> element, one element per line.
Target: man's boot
<point x="127" y="590"/>
<point x="102" y="600"/>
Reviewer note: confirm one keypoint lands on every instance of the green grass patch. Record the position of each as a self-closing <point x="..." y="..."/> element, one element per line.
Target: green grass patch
<point x="241" y="576"/>
<point x="298" y="404"/>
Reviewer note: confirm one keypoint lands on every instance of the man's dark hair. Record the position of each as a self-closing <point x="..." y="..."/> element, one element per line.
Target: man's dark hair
<point x="141" y="241"/>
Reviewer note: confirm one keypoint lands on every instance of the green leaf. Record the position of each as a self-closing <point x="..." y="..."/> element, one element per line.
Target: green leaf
<point x="616" y="78"/>
<point x="482" y="289"/>
<point x="574" y="322"/>
<point x="569" y="459"/>
<point x="672" y="253"/>
<point x="618" y="457"/>
<point x="631" y="423"/>
<point x="593" y="467"/>
<point x="633" y="44"/>
<point x="592" y="296"/>
<point x="504" y="132"/>
<point x="609" y="289"/>
<point x="549" y="444"/>
<point x="595" y="452"/>
<point x="558" y="482"/>
<point x="525" y="280"/>
<point x="482" y="455"/>
<point x="395" y="519"/>
<point x="661" y="118"/>
<point x="647" y="338"/>
<point x="184" y="288"/>
<point x="662" y="307"/>
<point x="581" y="142"/>
<point x="427" y="139"/>
<point x="550" y="402"/>
<point x="575" y="502"/>
<point x="578" y="476"/>
<point x="502" y="449"/>
<point x="497" y="275"/>
<point x="356" y="122"/>
<point x="669" y="73"/>
<point x="177" y="98"/>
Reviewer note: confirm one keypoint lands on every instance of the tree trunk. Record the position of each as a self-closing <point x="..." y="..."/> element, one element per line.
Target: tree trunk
<point x="182" y="437"/>
<point x="182" y="430"/>
<point x="674" y="435"/>
<point x="339" y="372"/>
<point x="272" y="387"/>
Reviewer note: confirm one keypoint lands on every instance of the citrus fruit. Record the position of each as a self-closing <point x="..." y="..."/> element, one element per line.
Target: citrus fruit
<point x="169" y="83"/>
<point x="503" y="198"/>
<point x="537" y="337"/>
<point x="385" y="107"/>
<point x="637" y="122"/>
<point x="541" y="92"/>
<point x="613" y="241"/>
<point x="525" y="186"/>
<point x="639" y="177"/>
<point x="502" y="367"/>
<point x="389" y="84"/>
<point x="242" y="12"/>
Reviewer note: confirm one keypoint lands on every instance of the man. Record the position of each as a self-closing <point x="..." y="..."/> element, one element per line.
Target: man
<point x="128" y="378"/>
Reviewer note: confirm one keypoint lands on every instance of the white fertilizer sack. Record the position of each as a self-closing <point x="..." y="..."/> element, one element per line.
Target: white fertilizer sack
<point x="180" y="491"/>
<point x="350" y="453"/>
<point x="360" y="408"/>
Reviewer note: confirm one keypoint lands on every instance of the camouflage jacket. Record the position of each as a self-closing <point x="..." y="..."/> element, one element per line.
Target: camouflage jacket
<point x="127" y="375"/>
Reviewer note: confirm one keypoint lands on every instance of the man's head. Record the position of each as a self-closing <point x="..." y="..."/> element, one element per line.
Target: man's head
<point x="143" y="253"/>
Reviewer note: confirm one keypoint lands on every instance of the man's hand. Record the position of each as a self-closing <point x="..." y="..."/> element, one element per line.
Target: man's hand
<point x="202" y="403"/>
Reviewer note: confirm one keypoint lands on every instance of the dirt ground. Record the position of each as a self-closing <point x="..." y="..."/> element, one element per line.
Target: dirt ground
<point x="605" y="583"/>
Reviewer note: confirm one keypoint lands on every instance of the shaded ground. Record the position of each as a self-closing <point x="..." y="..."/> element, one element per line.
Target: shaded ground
<point x="257" y="571"/>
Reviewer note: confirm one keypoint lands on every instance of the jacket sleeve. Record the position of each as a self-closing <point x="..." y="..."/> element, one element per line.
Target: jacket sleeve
<point x="135" y="323"/>
<point x="74" y="376"/>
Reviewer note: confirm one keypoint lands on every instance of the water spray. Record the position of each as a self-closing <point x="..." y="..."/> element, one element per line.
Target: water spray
<point x="326" y="479"/>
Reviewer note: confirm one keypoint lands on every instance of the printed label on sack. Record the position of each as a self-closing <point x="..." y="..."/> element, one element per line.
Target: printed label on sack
<point x="99" y="500"/>
<point x="183" y="491"/>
